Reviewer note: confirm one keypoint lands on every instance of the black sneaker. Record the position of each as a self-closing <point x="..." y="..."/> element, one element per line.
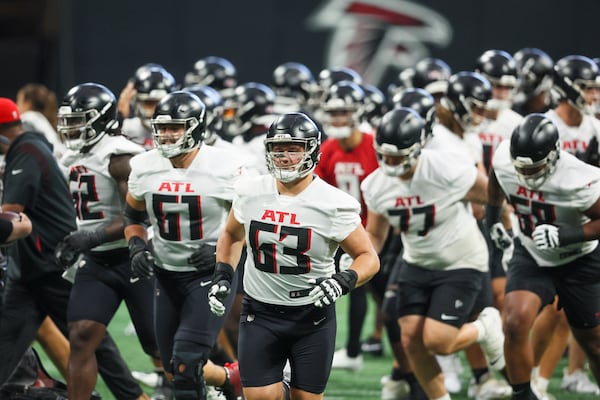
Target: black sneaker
<point x="372" y="346"/>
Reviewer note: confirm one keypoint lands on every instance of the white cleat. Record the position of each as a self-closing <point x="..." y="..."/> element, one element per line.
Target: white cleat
<point x="341" y="360"/>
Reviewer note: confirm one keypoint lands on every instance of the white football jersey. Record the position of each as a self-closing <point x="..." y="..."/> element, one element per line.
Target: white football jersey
<point x="562" y="199"/>
<point x="574" y="139"/>
<point x="187" y="206"/>
<point x="139" y="133"/>
<point x="95" y="192"/>
<point x="437" y="230"/>
<point x="445" y="140"/>
<point x="291" y="239"/>
<point x="496" y="131"/>
<point x="255" y="151"/>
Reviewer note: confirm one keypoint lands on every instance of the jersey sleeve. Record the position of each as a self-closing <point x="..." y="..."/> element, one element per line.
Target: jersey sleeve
<point x="457" y="173"/>
<point x="134" y="181"/>
<point x="587" y="196"/>
<point x="345" y="219"/>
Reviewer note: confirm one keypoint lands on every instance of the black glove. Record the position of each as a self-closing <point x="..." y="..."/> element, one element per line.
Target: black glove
<point x="68" y="250"/>
<point x="203" y="258"/>
<point x="142" y="262"/>
<point x="220" y="288"/>
<point x="328" y="290"/>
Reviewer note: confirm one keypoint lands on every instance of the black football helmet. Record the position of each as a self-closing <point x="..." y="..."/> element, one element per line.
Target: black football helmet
<point x="214" y="111"/>
<point x="498" y="67"/>
<point x="398" y="141"/>
<point x="343" y="109"/>
<point x="152" y="82"/>
<point x="534" y="149"/>
<point x="374" y="104"/>
<point x="250" y="105"/>
<point x="467" y="97"/>
<point x="178" y="124"/>
<point x="422" y="102"/>
<point x="331" y="76"/>
<point x="294" y="128"/>
<point x="213" y="71"/>
<point x="432" y="74"/>
<point x="86" y="113"/>
<point x="294" y="81"/>
<point x="573" y="74"/>
<point x="534" y="67"/>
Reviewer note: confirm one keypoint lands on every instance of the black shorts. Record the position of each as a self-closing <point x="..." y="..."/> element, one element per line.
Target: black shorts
<point x="270" y="335"/>
<point x="183" y="314"/>
<point x="100" y="286"/>
<point x="577" y="284"/>
<point x="446" y="296"/>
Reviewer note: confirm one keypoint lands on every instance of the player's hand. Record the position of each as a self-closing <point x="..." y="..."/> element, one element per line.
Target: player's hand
<point x="221" y="288"/>
<point x="500" y="236"/>
<point x="67" y="251"/>
<point x="203" y="258"/>
<point x="328" y="290"/>
<point x="142" y="262"/>
<point x="546" y="236"/>
<point x="125" y="99"/>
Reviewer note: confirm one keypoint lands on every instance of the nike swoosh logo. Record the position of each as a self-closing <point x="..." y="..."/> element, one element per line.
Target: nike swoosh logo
<point x="317" y="322"/>
<point x="205" y="283"/>
<point x="16" y="171"/>
<point x="133" y="280"/>
<point x="446" y="317"/>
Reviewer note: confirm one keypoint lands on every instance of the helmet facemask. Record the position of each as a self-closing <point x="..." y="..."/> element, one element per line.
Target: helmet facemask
<point x="404" y="159"/>
<point x="289" y="166"/>
<point x="173" y="137"/>
<point x="533" y="174"/>
<point x="77" y="128"/>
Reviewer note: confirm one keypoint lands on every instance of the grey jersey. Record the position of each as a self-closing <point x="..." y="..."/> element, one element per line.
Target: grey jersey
<point x="185" y="206"/>
<point x="291" y="239"/>
<point x="95" y="192"/>
<point x="562" y="199"/>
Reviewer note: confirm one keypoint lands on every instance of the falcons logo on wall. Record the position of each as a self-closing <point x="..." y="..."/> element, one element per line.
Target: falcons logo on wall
<point x="371" y="36"/>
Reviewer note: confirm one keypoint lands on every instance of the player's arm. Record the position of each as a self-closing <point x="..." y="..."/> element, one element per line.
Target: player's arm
<point x="15" y="229"/>
<point x="229" y="248"/>
<point x="479" y="191"/>
<point x="119" y="169"/>
<point x="366" y="261"/>
<point x="377" y="229"/>
<point x="591" y="229"/>
<point x="229" y="244"/>
<point x="134" y="218"/>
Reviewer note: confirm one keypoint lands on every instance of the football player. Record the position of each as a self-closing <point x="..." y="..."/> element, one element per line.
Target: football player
<point x="414" y="190"/>
<point x="185" y="190"/>
<point x="293" y="222"/>
<point x="556" y="200"/>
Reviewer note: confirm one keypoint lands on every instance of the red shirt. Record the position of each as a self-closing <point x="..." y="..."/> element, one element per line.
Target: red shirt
<point x="347" y="169"/>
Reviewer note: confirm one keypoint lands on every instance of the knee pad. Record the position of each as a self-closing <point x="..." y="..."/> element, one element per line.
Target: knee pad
<point x="188" y="381"/>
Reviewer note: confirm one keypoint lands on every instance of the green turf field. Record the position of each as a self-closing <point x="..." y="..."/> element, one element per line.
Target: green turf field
<point x="364" y="385"/>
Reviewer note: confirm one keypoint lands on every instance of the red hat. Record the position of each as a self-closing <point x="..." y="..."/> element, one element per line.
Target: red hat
<point x="8" y="111"/>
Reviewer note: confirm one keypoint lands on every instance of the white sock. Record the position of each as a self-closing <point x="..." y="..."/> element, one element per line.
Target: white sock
<point x="535" y="373"/>
<point x="444" y="397"/>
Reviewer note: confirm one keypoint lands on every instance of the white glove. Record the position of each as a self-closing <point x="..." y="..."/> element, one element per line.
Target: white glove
<point x="501" y="238"/>
<point x="345" y="262"/>
<point x="545" y="236"/>
<point x="326" y="291"/>
<point x="216" y="294"/>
